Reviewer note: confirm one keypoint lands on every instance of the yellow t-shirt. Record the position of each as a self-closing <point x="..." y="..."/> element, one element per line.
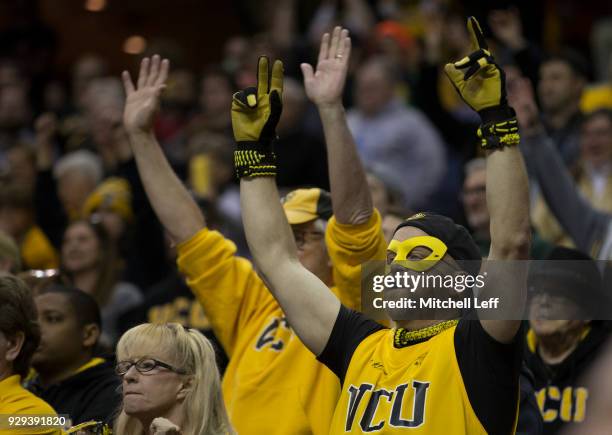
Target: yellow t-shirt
<point x="16" y="400"/>
<point x="273" y="384"/>
<point x="452" y="378"/>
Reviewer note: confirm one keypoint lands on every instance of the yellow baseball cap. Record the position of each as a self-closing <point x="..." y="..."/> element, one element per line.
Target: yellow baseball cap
<point x="305" y="205"/>
<point x="112" y="194"/>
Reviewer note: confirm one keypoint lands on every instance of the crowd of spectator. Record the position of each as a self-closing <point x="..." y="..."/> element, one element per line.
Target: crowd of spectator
<point x="77" y="226"/>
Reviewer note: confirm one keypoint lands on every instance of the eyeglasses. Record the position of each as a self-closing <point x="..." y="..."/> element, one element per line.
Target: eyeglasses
<point x="144" y="365"/>
<point x="301" y="237"/>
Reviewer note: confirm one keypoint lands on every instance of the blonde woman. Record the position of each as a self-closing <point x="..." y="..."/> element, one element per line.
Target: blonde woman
<point x="171" y="383"/>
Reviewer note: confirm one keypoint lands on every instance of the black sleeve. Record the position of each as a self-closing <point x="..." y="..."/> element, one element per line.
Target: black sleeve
<point x="350" y="329"/>
<point x="529" y="419"/>
<point x="490" y="372"/>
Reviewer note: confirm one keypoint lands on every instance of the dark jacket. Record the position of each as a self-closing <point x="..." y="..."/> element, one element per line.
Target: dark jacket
<point x="529" y="418"/>
<point x="560" y="390"/>
<point x="92" y="394"/>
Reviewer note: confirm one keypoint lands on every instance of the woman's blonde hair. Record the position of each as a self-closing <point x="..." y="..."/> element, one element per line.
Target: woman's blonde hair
<point x="187" y="349"/>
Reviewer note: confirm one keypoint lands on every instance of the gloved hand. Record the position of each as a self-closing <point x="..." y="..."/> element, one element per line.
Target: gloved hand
<point x="255" y="114"/>
<point x="481" y="83"/>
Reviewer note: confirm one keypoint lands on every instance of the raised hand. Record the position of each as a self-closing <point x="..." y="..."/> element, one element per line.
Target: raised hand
<point x="482" y="85"/>
<point x="142" y="101"/>
<point x="478" y="79"/>
<point x="521" y="98"/>
<point x="324" y="87"/>
<point x="255" y="113"/>
<point x="46" y="127"/>
<point x="507" y="27"/>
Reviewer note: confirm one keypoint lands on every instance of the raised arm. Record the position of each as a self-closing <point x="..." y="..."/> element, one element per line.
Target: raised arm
<point x="171" y="201"/>
<point x="309" y="305"/>
<point x="351" y="199"/>
<point x="481" y="84"/>
<point x="581" y="220"/>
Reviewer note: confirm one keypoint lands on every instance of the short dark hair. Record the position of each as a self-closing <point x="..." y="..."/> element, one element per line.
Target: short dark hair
<point x="85" y="307"/>
<point x="577" y="63"/>
<point x="18" y="314"/>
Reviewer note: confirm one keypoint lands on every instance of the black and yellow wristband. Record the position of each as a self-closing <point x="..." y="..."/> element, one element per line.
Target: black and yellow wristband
<point x="499" y="127"/>
<point x="500" y="134"/>
<point x="253" y="160"/>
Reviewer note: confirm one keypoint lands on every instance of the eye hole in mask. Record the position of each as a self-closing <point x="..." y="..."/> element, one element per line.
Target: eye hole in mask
<point x="403" y="249"/>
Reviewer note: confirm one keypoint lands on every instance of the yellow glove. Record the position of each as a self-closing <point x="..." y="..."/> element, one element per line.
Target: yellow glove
<point x="481" y="83"/>
<point x="90" y="427"/>
<point x="255" y="113"/>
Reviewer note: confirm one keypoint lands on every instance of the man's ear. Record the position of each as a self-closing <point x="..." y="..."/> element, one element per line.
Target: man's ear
<point x="15" y="343"/>
<point x="91" y="335"/>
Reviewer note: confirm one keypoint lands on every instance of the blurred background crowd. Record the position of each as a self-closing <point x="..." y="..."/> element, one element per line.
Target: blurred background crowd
<point x="72" y="207"/>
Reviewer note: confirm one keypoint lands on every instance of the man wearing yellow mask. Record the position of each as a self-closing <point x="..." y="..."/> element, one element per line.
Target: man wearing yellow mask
<point x="448" y="375"/>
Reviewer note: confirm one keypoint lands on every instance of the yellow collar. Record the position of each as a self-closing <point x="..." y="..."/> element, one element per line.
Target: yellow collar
<point x="532" y="339"/>
<point x="89" y="364"/>
<point x="404" y="337"/>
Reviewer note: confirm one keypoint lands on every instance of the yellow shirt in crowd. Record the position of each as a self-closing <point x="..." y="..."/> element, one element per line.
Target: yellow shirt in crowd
<point x="450" y="378"/>
<point x="37" y="251"/>
<point x="401" y="388"/>
<point x="16" y="400"/>
<point x="273" y="383"/>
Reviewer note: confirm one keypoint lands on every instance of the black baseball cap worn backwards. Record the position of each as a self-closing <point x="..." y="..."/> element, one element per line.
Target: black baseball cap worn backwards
<point x="457" y="239"/>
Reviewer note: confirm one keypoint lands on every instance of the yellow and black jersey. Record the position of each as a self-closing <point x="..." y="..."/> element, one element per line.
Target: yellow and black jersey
<point x="273" y="384"/>
<point x="560" y="389"/>
<point x="452" y="378"/>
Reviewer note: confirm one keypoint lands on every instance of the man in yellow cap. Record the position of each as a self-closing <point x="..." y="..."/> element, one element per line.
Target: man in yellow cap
<point x="111" y="204"/>
<point x="272" y="384"/>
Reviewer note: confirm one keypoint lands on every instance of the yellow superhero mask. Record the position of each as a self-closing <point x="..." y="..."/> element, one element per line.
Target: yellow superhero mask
<point x="403" y="249"/>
